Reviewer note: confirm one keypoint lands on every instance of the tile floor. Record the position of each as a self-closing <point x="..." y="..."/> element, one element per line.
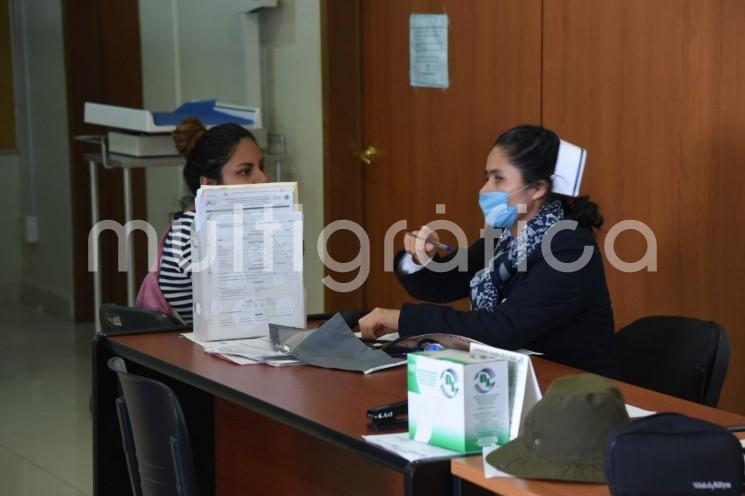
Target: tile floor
<point x="45" y="426"/>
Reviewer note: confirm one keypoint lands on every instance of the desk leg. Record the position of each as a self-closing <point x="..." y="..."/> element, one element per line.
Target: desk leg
<point x="127" y="176"/>
<point x="93" y="172"/>
<point x="428" y="479"/>
<point x="457" y="486"/>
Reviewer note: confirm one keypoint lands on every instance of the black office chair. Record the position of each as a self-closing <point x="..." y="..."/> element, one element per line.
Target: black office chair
<point x="679" y="356"/>
<point x="154" y="436"/>
<point x="120" y="319"/>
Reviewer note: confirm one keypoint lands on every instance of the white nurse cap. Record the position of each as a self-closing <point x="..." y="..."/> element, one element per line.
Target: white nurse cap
<point x="570" y="165"/>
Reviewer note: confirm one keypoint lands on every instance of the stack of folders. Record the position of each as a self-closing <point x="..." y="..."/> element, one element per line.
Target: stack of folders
<point x="247" y="260"/>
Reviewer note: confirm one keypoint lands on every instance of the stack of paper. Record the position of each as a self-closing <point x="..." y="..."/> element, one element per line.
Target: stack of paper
<point x="247" y="260"/>
<point x="412" y="450"/>
<point x="246" y="351"/>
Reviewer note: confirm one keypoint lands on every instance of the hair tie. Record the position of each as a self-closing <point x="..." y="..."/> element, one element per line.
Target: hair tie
<point x="187" y="135"/>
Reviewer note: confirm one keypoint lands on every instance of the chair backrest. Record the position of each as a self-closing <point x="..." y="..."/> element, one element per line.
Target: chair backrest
<point x="122" y="319"/>
<point x="679" y="356"/>
<point x="153" y="426"/>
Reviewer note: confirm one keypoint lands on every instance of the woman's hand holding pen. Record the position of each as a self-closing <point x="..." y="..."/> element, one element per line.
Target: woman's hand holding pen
<point x="422" y="242"/>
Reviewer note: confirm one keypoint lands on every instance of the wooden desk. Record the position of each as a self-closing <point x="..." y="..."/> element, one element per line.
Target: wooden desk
<point x="471" y="469"/>
<point x="257" y="429"/>
<point x="293" y="430"/>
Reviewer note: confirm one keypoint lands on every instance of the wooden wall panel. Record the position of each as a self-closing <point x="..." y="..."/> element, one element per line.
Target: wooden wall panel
<point x="7" y="102"/>
<point x="654" y="90"/>
<point x="433" y="143"/>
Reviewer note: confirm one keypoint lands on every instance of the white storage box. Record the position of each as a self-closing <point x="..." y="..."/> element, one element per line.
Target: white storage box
<point x="142" y="120"/>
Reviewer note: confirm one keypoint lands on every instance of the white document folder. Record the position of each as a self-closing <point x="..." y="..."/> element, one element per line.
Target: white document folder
<point x="247" y="261"/>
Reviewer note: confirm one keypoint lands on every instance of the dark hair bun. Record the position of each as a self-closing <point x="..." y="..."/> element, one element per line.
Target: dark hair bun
<point x="585" y="212"/>
<point x="187" y="135"/>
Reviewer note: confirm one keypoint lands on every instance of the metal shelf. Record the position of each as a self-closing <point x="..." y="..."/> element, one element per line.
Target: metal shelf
<point x="125" y="163"/>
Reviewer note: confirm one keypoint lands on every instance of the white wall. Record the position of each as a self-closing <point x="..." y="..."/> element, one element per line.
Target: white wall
<point x="38" y="180"/>
<point x="44" y="179"/>
<point x="193" y="49"/>
<point x="222" y="58"/>
<point x="293" y="103"/>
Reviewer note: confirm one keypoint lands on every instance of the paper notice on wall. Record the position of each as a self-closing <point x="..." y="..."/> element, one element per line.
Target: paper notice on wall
<point x="428" y="50"/>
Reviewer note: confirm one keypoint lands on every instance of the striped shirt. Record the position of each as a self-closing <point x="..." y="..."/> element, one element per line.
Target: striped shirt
<point x="174" y="277"/>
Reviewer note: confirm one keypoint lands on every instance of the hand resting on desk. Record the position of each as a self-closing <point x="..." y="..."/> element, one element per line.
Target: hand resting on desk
<point x="379" y="322"/>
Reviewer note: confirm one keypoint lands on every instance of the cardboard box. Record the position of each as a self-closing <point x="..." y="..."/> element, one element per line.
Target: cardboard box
<point x="458" y="400"/>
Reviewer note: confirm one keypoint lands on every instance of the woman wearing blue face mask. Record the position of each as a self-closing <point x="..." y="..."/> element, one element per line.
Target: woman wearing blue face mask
<point x="520" y="297"/>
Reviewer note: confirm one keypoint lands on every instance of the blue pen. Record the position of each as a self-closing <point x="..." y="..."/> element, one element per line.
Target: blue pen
<point x="436" y="243"/>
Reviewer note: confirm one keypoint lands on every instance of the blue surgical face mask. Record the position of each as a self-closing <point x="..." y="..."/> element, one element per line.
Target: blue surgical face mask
<point x="497" y="209"/>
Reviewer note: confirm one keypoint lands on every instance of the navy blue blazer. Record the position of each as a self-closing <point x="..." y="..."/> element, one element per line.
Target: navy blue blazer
<point x="567" y="316"/>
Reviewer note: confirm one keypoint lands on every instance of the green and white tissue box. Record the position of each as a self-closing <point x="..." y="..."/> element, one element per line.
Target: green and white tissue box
<point x="458" y="400"/>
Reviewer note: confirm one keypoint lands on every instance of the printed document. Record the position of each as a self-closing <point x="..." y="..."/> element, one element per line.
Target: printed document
<point x="524" y="390"/>
<point x="247" y="260"/>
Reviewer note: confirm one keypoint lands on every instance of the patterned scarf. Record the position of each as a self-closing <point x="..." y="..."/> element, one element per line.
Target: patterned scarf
<point x="510" y="253"/>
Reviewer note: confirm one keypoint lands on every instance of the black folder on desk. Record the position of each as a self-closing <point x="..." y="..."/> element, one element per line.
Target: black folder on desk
<point x="332" y="346"/>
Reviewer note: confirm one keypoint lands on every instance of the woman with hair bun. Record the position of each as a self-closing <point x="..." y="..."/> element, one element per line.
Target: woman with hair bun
<point x="519" y="297"/>
<point x="224" y="154"/>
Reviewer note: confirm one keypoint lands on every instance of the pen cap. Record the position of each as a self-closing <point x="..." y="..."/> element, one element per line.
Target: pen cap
<point x="570" y="165"/>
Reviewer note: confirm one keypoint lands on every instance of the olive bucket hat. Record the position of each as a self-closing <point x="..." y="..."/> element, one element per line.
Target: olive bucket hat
<point x="564" y="436"/>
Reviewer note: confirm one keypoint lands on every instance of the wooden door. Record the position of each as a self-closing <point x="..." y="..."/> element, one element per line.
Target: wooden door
<point x="102" y="50"/>
<point x="432" y="143"/>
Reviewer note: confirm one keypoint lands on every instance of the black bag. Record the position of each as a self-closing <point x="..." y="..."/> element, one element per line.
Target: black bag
<point x="673" y="454"/>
